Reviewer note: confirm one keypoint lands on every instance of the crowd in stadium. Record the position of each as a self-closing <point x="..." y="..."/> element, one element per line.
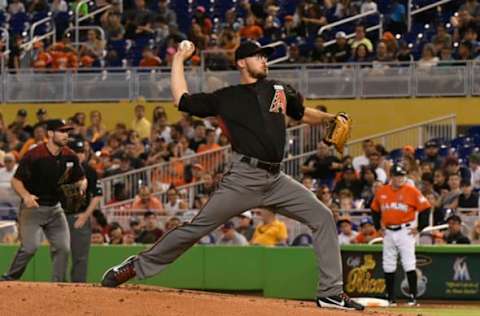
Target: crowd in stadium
<point x="146" y="33"/>
<point x="447" y="178"/>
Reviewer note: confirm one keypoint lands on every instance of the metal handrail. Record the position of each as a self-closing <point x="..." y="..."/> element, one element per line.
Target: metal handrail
<point x="346" y="20"/>
<point x="411" y="12"/>
<point x="79" y="18"/>
<point x="92" y="27"/>
<point x="33" y="39"/>
<point x="378" y="27"/>
<point x="402" y="129"/>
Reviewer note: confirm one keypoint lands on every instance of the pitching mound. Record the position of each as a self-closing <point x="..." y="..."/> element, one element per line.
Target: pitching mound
<point x="52" y="299"/>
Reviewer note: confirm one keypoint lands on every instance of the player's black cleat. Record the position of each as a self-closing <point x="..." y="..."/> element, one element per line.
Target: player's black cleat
<point x="412" y="301"/>
<point x="6" y="278"/>
<point x="392" y="303"/>
<point x="119" y="274"/>
<point x="341" y="301"/>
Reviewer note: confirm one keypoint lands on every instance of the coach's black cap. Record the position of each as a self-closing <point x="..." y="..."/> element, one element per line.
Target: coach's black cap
<point x="454" y="217"/>
<point x="22" y="112"/>
<point x="398" y="170"/>
<point x="250" y="48"/>
<point x="58" y="125"/>
<point x="41" y="111"/>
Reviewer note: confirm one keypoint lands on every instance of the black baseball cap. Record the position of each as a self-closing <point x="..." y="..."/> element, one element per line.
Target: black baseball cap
<point x="77" y="145"/>
<point x="41" y="111"/>
<point x="250" y="48"/>
<point x="455" y="218"/>
<point x="431" y="143"/>
<point x="22" y="112"/>
<point x="398" y="170"/>
<point x="58" y="125"/>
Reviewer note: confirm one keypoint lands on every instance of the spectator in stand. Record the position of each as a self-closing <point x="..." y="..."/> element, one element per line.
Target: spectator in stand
<point x="368" y="5"/>
<point x="414" y="175"/>
<point x="162" y="10"/>
<point x="360" y="54"/>
<point x="6" y="175"/>
<point x="140" y="124"/>
<point x="93" y="45"/>
<point x="289" y="29"/>
<point x="349" y="181"/>
<point x="151" y="232"/>
<point x="97" y="130"/>
<point x="144" y="201"/>
<point x="368" y="147"/>
<point x="313" y="19"/>
<point x="454" y="234"/>
<point x="42" y="115"/>
<point x="149" y="59"/>
<point x="97" y="237"/>
<point x="230" y="236"/>
<point x="324" y="194"/>
<point x="468" y="198"/>
<point x="245" y="225"/>
<point x="396" y="18"/>
<point x="475" y="235"/>
<point x="295" y="57"/>
<point x="432" y="154"/>
<point x="440" y="185"/>
<point x="271" y="232"/>
<point x="318" y="54"/>
<point x="368" y="177"/>
<point x="436" y="214"/>
<point x="119" y="193"/>
<point x="251" y="30"/>
<point x="474" y="166"/>
<point x="129" y="238"/>
<point x="16" y="6"/>
<point x="367" y="232"/>
<point x="428" y="59"/>
<point x="39" y="137"/>
<point x="199" y="136"/>
<point x="198" y="37"/>
<point x="322" y="166"/>
<point x="472" y="7"/>
<point x="465" y="51"/>
<point x="441" y="38"/>
<point x="361" y="39"/>
<point x="340" y="51"/>
<point x="450" y="198"/>
<point x="404" y="53"/>
<point x="172" y="222"/>
<point x="115" y="234"/>
<point x="376" y="163"/>
<point x="347" y="235"/>
<point x="345" y="200"/>
<point x="174" y="204"/>
<point x="20" y="126"/>
<point x="382" y="54"/>
<point x="210" y="142"/>
<point x="451" y="165"/>
<point x="200" y="16"/>
<point x="308" y="182"/>
<point x="136" y="227"/>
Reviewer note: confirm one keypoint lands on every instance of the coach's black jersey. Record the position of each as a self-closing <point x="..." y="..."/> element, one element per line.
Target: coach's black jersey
<point x="253" y="115"/>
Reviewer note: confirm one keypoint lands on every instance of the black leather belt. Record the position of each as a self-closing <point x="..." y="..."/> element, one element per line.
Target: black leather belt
<point x="271" y="167"/>
<point x="397" y="227"/>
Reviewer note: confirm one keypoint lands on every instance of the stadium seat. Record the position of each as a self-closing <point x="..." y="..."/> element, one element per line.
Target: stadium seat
<point x="302" y="240"/>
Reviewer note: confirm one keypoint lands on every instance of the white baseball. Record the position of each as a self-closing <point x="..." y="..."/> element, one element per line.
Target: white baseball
<point x="185" y="45"/>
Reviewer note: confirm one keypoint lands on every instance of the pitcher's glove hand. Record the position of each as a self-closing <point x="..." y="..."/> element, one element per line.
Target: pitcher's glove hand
<point x="338" y="131"/>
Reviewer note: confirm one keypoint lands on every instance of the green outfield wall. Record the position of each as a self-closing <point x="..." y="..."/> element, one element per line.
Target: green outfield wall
<point x="444" y="272"/>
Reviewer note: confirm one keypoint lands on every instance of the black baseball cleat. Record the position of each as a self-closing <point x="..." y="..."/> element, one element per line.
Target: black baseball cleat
<point x="119" y="274"/>
<point x="6" y="278"/>
<point x="412" y="301"/>
<point x="392" y="303"/>
<point x="341" y="301"/>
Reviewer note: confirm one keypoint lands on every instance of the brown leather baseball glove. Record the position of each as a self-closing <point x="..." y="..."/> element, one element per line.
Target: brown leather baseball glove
<point x="338" y="131"/>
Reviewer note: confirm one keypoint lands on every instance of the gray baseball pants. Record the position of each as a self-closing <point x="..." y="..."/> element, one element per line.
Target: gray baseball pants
<point x="80" y="247"/>
<point x="245" y="187"/>
<point x="52" y="221"/>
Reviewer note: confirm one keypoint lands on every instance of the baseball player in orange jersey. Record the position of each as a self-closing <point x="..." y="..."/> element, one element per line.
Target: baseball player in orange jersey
<point x="395" y="208"/>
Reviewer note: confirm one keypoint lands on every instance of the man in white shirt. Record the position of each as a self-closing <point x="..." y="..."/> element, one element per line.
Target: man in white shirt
<point x="368" y="147"/>
<point x="346" y="232"/>
<point x="231" y="237"/>
<point x="474" y="165"/>
<point x="7" y="172"/>
<point x="368" y="5"/>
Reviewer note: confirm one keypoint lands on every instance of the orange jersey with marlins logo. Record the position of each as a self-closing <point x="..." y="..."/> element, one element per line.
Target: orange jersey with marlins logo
<point x="399" y="206"/>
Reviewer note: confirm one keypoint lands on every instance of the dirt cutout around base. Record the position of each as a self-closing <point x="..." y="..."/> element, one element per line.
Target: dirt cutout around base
<point x="65" y="299"/>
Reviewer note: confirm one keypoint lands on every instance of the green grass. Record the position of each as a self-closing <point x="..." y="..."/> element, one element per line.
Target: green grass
<point x="433" y="311"/>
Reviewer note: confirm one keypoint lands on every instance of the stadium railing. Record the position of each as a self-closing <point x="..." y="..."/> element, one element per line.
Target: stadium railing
<point x="415" y="135"/>
<point x="315" y="81"/>
<point x="299" y="139"/>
